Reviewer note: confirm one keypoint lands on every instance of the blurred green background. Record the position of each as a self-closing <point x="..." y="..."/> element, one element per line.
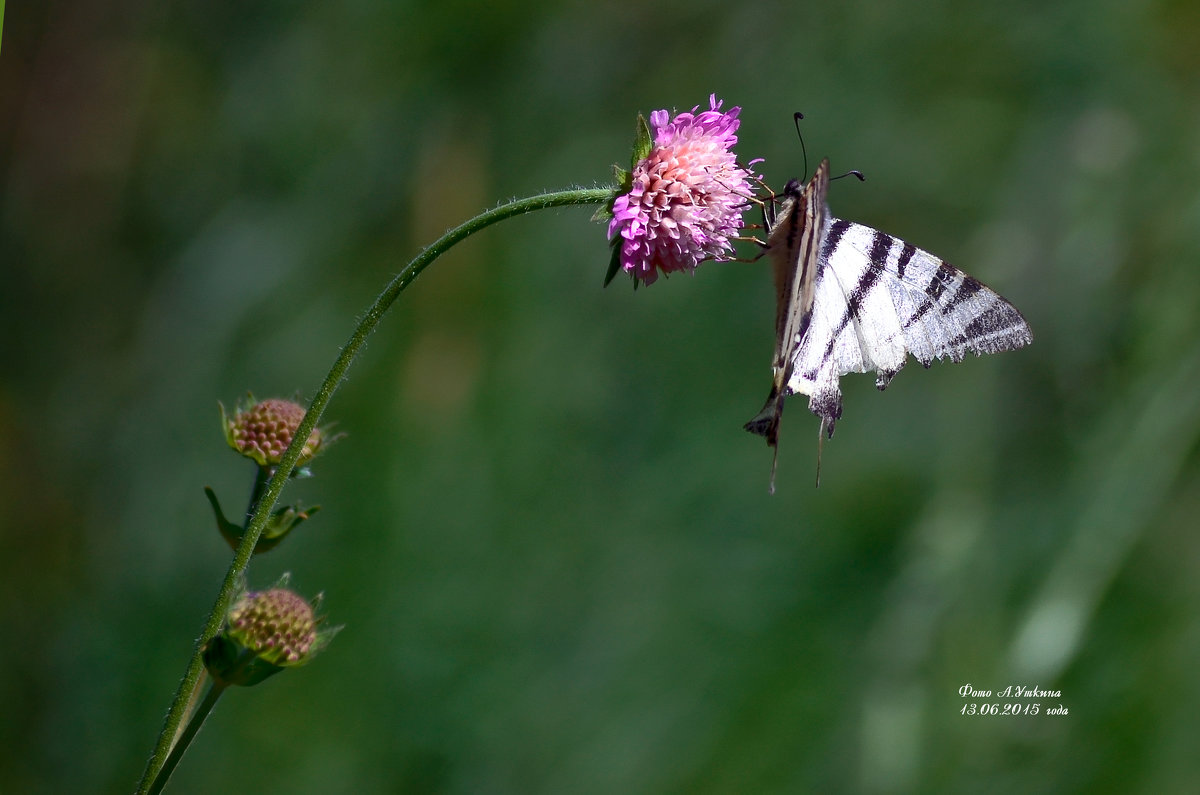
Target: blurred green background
<point x="548" y="537"/>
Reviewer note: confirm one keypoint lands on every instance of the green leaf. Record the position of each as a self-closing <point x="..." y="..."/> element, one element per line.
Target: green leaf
<point x="225" y="429"/>
<point x="299" y="473"/>
<point x="231" y="663"/>
<point x="642" y="143"/>
<point x="283" y="521"/>
<point x="232" y="533"/>
<point x="614" y="265"/>
<point x="624" y="183"/>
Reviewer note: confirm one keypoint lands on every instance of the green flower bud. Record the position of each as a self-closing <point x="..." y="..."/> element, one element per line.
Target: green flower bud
<point x="265" y="632"/>
<point x="277" y="624"/>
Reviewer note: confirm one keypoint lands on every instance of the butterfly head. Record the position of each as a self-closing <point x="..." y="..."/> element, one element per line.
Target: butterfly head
<point x="793" y="188"/>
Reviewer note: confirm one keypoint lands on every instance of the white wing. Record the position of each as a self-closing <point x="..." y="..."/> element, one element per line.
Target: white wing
<point x="878" y="299"/>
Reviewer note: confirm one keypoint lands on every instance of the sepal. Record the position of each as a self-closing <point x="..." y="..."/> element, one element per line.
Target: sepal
<point x="614" y="264"/>
<point x="642" y="144"/>
<point x="231" y="532"/>
<point x="232" y="664"/>
<point x="282" y="521"/>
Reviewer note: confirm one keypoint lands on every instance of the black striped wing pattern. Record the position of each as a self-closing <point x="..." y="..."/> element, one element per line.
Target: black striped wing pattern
<point x="851" y="299"/>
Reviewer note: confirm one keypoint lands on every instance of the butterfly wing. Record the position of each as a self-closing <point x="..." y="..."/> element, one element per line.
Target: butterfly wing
<point x="794" y="247"/>
<point x="878" y="299"/>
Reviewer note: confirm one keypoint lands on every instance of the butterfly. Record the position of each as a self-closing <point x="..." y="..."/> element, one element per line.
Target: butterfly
<point x="850" y="299"/>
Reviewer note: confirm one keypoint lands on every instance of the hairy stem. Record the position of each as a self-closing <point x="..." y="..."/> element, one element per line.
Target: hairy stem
<point x="197" y="720"/>
<point x="270" y="495"/>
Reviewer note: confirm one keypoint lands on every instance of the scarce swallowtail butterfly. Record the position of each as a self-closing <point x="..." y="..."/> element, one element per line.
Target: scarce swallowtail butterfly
<point x="850" y="299"/>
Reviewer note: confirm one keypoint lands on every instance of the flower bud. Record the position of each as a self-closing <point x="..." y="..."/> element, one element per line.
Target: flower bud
<point x="265" y="632"/>
<point x="263" y="430"/>
<point x="277" y="624"/>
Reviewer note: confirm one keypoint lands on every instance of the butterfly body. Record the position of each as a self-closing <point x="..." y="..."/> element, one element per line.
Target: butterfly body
<point x="851" y="299"/>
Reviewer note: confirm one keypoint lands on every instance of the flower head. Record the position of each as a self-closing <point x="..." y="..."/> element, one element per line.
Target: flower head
<point x="278" y="625"/>
<point x="685" y="196"/>
<point x="263" y="430"/>
<point x="266" y="632"/>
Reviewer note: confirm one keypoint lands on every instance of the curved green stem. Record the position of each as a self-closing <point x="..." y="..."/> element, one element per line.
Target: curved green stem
<point x="270" y="494"/>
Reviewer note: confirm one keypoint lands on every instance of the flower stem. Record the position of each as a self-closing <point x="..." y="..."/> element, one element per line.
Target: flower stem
<point x="270" y="495"/>
<point x="198" y="717"/>
<point x="262" y="476"/>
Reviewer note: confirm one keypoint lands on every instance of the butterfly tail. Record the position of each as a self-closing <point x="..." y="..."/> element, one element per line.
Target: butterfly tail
<point x="820" y="445"/>
<point x="766" y="424"/>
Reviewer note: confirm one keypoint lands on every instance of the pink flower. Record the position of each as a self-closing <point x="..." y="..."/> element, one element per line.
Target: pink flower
<point x="687" y="195"/>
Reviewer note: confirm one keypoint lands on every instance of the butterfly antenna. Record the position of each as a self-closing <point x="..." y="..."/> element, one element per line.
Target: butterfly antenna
<point x="851" y="172"/>
<point x="798" y="116"/>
